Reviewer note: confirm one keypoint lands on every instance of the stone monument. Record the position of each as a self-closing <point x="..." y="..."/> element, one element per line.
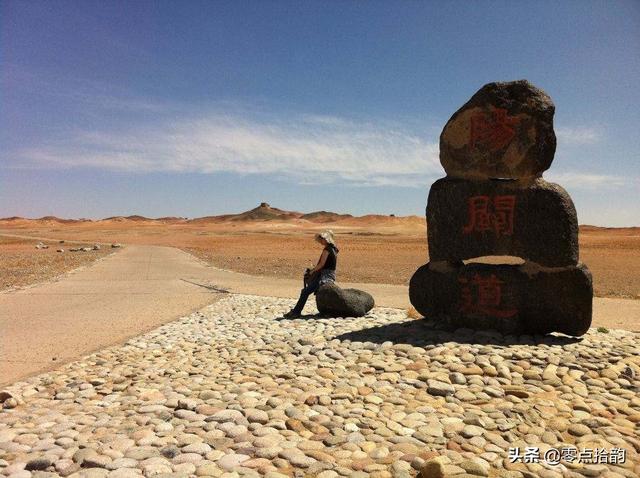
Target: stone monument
<point x="494" y="202"/>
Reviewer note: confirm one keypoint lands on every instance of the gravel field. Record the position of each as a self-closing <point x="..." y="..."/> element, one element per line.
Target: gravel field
<point x="21" y="264"/>
<point x="233" y="391"/>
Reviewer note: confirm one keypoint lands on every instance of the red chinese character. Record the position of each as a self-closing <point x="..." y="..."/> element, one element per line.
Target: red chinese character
<point x="503" y="207"/>
<point x="493" y="132"/>
<point x="487" y="299"/>
<point x="486" y="214"/>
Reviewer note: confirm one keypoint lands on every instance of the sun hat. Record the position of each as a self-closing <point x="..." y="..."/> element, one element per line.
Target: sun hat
<point x="327" y="236"/>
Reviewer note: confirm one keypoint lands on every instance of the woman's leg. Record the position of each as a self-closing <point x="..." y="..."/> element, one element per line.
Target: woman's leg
<point x="305" y="293"/>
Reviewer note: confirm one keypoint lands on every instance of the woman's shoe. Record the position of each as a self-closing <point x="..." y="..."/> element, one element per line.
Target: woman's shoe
<point x="292" y="315"/>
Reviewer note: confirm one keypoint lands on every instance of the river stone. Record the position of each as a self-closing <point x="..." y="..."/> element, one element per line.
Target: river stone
<point x="510" y="298"/>
<point x="40" y="463"/>
<point x="434" y="468"/>
<point x="333" y="301"/>
<point x="470" y="219"/>
<point x="4" y="396"/>
<point x="504" y="131"/>
<point x="231" y="461"/>
<point x="438" y="388"/>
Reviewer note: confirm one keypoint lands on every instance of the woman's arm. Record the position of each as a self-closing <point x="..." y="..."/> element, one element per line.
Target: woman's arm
<point x="321" y="262"/>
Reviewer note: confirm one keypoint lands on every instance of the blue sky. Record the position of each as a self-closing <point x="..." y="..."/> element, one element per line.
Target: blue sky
<point x="198" y="108"/>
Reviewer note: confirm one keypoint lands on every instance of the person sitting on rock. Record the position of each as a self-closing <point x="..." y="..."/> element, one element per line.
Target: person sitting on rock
<point x="323" y="272"/>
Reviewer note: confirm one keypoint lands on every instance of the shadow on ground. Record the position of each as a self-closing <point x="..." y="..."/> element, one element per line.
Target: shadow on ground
<point x="304" y="317"/>
<point x="210" y="287"/>
<point x="423" y="332"/>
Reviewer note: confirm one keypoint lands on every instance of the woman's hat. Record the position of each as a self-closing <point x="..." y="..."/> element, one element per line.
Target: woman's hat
<point x="327" y="236"/>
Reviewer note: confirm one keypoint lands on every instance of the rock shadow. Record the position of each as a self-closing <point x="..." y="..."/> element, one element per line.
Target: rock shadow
<point x="423" y="332"/>
<point x="303" y="317"/>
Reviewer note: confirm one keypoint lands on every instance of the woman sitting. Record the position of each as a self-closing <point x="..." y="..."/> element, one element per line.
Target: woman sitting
<point x="323" y="272"/>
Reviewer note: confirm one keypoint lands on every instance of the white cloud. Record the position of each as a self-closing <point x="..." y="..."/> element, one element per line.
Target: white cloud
<point x="580" y="180"/>
<point x="306" y="149"/>
<point x="576" y="136"/>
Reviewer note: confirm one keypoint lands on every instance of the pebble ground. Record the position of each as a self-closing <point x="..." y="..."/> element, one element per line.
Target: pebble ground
<point x="234" y="391"/>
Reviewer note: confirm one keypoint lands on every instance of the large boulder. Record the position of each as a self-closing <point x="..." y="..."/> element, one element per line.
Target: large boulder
<point x="468" y="219"/>
<point x="504" y="131"/>
<point x="513" y="299"/>
<point x="334" y="301"/>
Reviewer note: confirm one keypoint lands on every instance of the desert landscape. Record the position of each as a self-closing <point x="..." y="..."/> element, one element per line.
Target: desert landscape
<point x="319" y="239"/>
<point x="233" y="389"/>
<point x="268" y="241"/>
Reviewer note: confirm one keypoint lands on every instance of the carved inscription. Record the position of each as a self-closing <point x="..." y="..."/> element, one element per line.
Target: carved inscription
<point x="482" y="295"/>
<point x="492" y="131"/>
<point x="487" y="213"/>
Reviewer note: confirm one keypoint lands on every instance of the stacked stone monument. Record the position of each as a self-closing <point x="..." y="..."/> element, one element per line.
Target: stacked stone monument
<point x="494" y="202"/>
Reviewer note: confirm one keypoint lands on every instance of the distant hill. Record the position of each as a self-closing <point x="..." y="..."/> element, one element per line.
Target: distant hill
<point x="134" y="218"/>
<point x="325" y="216"/>
<point x="268" y="214"/>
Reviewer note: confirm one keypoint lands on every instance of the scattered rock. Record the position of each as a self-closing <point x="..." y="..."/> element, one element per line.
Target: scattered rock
<point x="4" y="396"/>
<point x="10" y="403"/>
<point x="231" y="461"/>
<point x="434" y="468"/>
<point x="474" y="468"/>
<point x="578" y="429"/>
<point x="41" y="463"/>
<point x="438" y="388"/>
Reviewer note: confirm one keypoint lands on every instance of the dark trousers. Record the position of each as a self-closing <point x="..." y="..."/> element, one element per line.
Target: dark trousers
<point x="309" y="289"/>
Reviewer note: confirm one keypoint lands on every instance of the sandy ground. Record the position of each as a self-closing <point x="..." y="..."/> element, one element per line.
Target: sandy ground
<point x="376" y="251"/>
<point x="21" y="264"/>
<point x="142" y="287"/>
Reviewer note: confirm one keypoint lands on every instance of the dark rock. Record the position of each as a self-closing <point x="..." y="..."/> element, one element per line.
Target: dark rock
<point x="495" y="202"/>
<point x="510" y="298"/>
<point x="334" y="301"/>
<point x="40" y="463"/>
<point x="469" y="219"/>
<point x="504" y="131"/>
<point x="170" y="451"/>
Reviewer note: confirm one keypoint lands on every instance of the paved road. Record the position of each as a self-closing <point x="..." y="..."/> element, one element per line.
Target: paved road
<point x="118" y="297"/>
<point x="142" y="287"/>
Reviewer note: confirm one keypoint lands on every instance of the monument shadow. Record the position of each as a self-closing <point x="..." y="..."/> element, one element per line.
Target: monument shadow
<point x="424" y="332"/>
